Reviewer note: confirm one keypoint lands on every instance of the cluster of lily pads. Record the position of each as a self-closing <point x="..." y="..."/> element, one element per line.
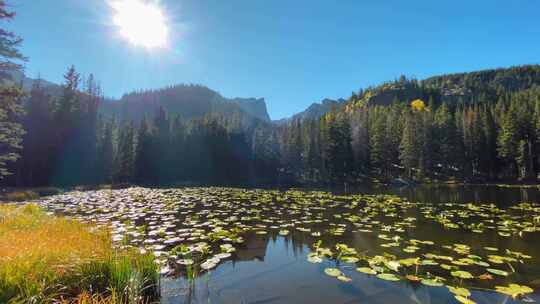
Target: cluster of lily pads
<point x="191" y="230"/>
<point x="429" y="269"/>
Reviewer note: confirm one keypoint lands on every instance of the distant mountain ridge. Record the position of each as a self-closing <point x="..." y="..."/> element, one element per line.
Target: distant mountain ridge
<point x="458" y="87"/>
<point x="187" y="101"/>
<point x="18" y="78"/>
<point x="253" y="106"/>
<point x="466" y="87"/>
<point x="194" y="101"/>
<point x="316" y="110"/>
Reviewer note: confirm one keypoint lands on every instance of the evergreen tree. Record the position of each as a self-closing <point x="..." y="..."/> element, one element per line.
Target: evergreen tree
<point x="11" y="111"/>
<point x="408" y="146"/>
<point x="106" y="153"/>
<point x="338" y="152"/>
<point x="124" y="161"/>
<point x="35" y="166"/>
<point x="508" y="141"/>
<point x="144" y="168"/>
<point x="380" y="157"/>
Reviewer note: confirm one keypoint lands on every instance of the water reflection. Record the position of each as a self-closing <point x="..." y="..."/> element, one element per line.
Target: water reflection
<point x="500" y="195"/>
<point x="284" y="276"/>
<point x="270" y="268"/>
<point x="274" y="269"/>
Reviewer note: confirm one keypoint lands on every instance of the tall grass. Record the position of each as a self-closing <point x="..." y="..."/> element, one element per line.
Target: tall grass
<point x="47" y="259"/>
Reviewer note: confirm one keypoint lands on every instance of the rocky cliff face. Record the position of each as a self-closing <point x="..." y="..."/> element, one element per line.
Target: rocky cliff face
<point x="255" y="107"/>
<point x="316" y="110"/>
<point x="187" y="101"/>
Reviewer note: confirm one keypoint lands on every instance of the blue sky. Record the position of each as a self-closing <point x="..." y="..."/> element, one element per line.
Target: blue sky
<point x="292" y="53"/>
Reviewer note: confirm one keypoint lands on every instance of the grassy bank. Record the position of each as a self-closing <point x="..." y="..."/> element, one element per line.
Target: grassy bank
<point x="47" y="259"/>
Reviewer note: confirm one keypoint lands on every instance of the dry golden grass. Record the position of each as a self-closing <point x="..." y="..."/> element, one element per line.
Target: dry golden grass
<point x="47" y="259"/>
<point x="27" y="235"/>
<point x="86" y="298"/>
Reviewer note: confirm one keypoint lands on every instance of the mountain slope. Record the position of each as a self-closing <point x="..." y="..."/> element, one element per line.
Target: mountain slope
<point x="479" y="86"/>
<point x="316" y="110"/>
<point x="187" y="101"/>
<point x="18" y="78"/>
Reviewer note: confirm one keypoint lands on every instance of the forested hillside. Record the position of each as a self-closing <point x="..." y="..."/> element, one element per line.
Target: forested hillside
<point x="71" y="139"/>
<point x="480" y="126"/>
<point x="472" y="126"/>
<point x="316" y="110"/>
<point x="186" y="101"/>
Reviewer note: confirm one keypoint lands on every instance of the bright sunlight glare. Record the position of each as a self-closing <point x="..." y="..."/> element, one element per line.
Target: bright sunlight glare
<point x="142" y="23"/>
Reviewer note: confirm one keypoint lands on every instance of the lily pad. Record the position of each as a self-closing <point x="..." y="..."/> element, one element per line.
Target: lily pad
<point x="343" y="278"/>
<point x="314" y="258"/>
<point x="498" y="272"/>
<point x="350" y="259"/>
<point x="333" y="272"/>
<point x="462" y="274"/>
<point x="464" y="300"/>
<point x="388" y="277"/>
<point x="366" y="270"/>
<point x="514" y="290"/>
<point x="459" y="291"/>
<point x="431" y="282"/>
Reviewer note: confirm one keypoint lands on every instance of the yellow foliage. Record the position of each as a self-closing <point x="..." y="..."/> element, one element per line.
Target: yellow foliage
<point x="418" y="105"/>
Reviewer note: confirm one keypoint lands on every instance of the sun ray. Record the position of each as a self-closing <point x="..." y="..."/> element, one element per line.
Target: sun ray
<point x="141" y="23"/>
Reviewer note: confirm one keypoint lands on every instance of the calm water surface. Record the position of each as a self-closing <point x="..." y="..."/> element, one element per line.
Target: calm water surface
<point x="273" y="269"/>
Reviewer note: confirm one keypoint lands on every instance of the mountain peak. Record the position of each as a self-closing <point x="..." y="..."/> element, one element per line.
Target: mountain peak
<point x="318" y="109"/>
<point x="254" y="106"/>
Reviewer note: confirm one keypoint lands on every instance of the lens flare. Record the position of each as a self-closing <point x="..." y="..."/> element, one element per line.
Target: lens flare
<point x="140" y="22"/>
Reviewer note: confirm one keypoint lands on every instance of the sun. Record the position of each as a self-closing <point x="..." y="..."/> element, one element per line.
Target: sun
<point x="141" y="22"/>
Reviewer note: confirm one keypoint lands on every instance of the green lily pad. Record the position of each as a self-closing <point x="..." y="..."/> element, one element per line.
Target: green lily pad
<point x="366" y="270"/>
<point x="431" y="282"/>
<point x="459" y="291"/>
<point x="409" y="262"/>
<point x="464" y="300"/>
<point x="482" y="263"/>
<point x="462" y="274"/>
<point x="350" y="259"/>
<point x="343" y="278"/>
<point x="393" y="265"/>
<point x="514" y="290"/>
<point x="429" y="262"/>
<point x="333" y="272"/>
<point x="388" y="277"/>
<point x="498" y="272"/>
<point x="314" y="258"/>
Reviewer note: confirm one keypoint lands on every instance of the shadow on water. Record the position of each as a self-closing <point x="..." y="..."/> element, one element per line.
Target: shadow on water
<point x="502" y="196"/>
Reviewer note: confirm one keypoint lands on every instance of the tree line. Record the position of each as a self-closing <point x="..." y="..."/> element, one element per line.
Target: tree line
<point x="66" y="141"/>
<point x="481" y="126"/>
<point x="427" y="138"/>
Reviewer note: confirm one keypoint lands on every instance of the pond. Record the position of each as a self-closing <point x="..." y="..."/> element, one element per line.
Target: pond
<point x="374" y="245"/>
